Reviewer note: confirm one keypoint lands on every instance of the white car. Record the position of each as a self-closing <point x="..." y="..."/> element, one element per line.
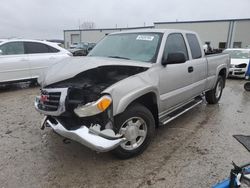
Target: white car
<point x="239" y="61"/>
<point x="2" y="40"/>
<point x="22" y="60"/>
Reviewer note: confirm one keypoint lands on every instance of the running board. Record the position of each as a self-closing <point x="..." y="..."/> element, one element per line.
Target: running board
<point x="179" y="111"/>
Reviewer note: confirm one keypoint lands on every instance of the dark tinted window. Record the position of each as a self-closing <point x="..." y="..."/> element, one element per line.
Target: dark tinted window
<point x="53" y="50"/>
<point x="35" y="47"/>
<point x="175" y="44"/>
<point x="194" y="46"/>
<point x="222" y="45"/>
<point x="12" y="48"/>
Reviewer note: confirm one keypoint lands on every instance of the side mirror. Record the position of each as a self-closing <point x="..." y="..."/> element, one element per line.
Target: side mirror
<point x="1" y="52"/>
<point x="174" y="58"/>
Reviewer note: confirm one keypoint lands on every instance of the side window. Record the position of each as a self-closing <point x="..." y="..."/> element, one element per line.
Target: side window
<point x="175" y="44"/>
<point x="12" y="48"/>
<point x="36" y="48"/>
<point x="194" y="46"/>
<point x="53" y="50"/>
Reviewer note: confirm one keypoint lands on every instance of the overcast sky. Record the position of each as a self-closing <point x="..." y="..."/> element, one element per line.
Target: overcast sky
<point x="46" y="19"/>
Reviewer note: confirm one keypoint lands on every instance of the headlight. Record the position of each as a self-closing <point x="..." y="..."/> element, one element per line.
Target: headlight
<point x="93" y="108"/>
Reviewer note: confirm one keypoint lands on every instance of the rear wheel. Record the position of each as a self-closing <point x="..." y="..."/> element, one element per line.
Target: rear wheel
<point x="247" y="86"/>
<point x="214" y="95"/>
<point x="137" y="125"/>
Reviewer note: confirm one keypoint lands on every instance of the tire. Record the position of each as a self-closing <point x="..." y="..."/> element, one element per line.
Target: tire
<point x="214" y="95"/>
<point x="247" y="86"/>
<point x="137" y="124"/>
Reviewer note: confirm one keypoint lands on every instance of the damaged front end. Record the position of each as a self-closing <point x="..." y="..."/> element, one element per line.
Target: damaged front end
<point x="78" y="109"/>
<point x="91" y="137"/>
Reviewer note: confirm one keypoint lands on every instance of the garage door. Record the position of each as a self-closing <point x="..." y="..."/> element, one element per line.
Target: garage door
<point x="75" y="38"/>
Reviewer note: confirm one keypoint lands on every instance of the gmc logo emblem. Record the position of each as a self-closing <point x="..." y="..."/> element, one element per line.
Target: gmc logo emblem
<point x="44" y="98"/>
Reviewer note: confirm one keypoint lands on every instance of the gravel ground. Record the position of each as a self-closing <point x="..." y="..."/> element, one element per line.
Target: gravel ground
<point x="193" y="151"/>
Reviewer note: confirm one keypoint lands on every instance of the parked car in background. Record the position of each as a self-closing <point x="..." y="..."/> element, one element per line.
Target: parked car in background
<point x="82" y="49"/>
<point x="58" y="42"/>
<point x="22" y="60"/>
<point x="239" y="61"/>
<point x="73" y="45"/>
<point x="2" y="40"/>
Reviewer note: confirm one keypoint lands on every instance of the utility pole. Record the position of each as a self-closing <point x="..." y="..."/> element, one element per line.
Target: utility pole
<point x="80" y="33"/>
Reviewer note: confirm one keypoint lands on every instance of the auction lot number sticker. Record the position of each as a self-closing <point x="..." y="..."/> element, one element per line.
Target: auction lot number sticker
<point x="145" y="37"/>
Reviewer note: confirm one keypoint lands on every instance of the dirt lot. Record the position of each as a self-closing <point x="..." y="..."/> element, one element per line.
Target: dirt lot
<point x="194" y="150"/>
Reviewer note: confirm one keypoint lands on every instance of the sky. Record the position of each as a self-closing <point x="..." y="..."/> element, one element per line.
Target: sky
<point x="46" y="19"/>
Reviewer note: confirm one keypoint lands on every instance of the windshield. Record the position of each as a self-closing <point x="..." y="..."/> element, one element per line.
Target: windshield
<point x="133" y="46"/>
<point x="238" y="54"/>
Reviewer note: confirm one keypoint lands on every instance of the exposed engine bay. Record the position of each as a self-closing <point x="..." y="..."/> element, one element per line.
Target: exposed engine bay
<point x="87" y="87"/>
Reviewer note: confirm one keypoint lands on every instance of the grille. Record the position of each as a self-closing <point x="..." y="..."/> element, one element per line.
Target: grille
<point x="243" y="65"/>
<point x="239" y="73"/>
<point x="49" y="101"/>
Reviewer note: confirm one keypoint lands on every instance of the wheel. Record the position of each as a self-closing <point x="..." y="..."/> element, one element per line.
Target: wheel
<point x="247" y="86"/>
<point x="214" y="95"/>
<point x="137" y="124"/>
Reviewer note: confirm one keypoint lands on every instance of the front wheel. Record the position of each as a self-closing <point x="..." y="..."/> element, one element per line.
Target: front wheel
<point x="214" y="95"/>
<point x="137" y="124"/>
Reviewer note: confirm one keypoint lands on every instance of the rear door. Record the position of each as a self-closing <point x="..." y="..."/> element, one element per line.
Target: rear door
<point x="14" y="63"/>
<point x="198" y="63"/>
<point x="175" y="79"/>
<point x="41" y="56"/>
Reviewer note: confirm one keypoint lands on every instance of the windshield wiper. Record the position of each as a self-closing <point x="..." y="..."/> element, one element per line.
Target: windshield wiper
<point x="119" y="57"/>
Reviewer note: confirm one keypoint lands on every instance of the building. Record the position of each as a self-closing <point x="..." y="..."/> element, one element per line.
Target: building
<point x="90" y="35"/>
<point x="233" y="33"/>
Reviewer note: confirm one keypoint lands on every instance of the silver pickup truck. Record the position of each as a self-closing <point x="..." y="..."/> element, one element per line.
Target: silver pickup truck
<point x="129" y="84"/>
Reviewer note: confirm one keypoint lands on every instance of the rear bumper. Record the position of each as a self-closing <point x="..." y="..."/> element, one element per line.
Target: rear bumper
<point x="92" y="139"/>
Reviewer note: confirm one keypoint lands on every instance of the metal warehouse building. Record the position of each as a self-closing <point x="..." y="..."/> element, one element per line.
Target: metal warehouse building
<point x="90" y="35"/>
<point x="234" y="33"/>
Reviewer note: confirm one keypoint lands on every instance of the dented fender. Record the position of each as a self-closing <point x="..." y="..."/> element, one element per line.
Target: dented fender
<point x="139" y="85"/>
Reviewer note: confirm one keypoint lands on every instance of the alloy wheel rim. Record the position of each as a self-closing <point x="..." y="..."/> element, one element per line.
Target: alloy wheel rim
<point x="218" y="89"/>
<point x="135" y="131"/>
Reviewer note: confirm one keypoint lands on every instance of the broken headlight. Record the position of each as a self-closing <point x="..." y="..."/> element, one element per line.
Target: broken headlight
<point x="93" y="108"/>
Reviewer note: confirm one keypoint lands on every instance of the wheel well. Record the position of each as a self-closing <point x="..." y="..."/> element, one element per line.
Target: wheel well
<point x="149" y="101"/>
<point x="223" y="74"/>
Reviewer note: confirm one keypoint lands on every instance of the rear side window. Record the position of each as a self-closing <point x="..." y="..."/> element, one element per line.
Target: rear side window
<point x="35" y="48"/>
<point x="194" y="46"/>
<point x="12" y="48"/>
<point x="175" y="44"/>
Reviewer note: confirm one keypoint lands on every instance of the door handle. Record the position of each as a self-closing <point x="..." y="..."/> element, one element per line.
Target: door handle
<point x="190" y="69"/>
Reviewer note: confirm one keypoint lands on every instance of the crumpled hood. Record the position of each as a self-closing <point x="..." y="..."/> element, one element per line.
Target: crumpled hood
<point x="71" y="66"/>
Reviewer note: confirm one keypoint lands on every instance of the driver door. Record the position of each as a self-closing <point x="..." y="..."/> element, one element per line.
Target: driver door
<point x="175" y="79"/>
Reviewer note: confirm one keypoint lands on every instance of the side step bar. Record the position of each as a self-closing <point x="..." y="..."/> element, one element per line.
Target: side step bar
<point x="179" y="111"/>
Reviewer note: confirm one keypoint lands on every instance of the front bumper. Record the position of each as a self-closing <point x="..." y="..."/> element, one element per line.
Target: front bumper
<point x="101" y="141"/>
<point x="237" y="72"/>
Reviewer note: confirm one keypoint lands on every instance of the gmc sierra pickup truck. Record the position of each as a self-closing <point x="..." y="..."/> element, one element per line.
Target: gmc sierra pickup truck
<point x="129" y="84"/>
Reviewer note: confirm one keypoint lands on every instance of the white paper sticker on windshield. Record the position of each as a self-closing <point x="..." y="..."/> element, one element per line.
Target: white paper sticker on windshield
<point x="145" y="37"/>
